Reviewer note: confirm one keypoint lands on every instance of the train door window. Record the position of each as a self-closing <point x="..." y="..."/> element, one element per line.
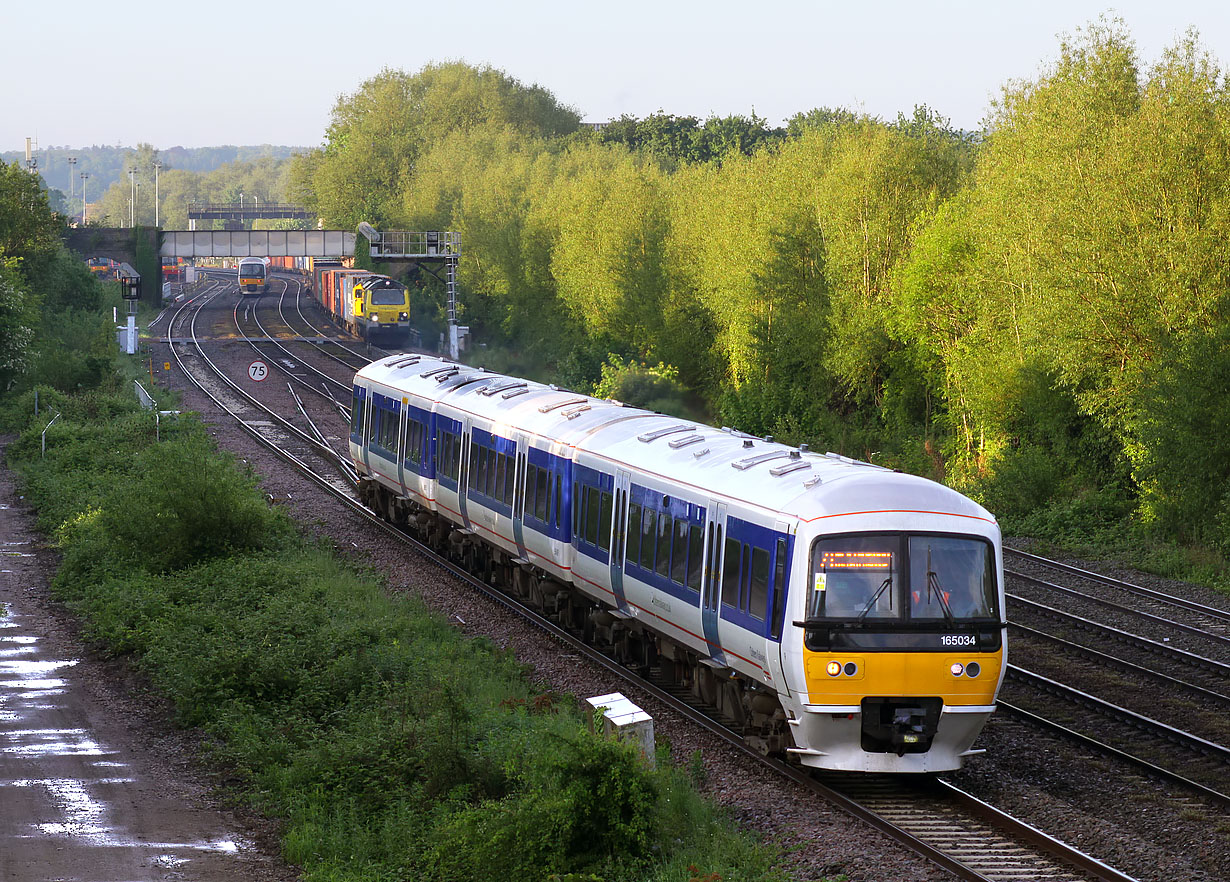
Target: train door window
<point x="662" y="560"/>
<point x="634" y="533"/>
<point x="542" y="495"/>
<point x="576" y="509"/>
<point x="501" y="476"/>
<point x="696" y="555"/>
<point x="604" y="522"/>
<point x="559" y="500"/>
<point x="510" y="477"/>
<point x="649" y="537"/>
<point x="779" y="590"/>
<point x="732" y="572"/>
<point x="758" y="599"/>
<point x="356" y="412"/>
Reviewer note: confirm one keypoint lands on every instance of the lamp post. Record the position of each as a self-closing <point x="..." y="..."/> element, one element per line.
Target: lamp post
<point x="84" y="176"/>
<point x="157" y="166"/>
<point x="72" y="168"/>
<point x="132" y="197"/>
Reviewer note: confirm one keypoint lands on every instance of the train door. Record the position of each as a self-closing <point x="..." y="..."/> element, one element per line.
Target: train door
<point x="779" y="627"/>
<point x="403" y="427"/>
<point x="619" y="536"/>
<point x="463" y="477"/>
<point x="518" y="503"/>
<point x="358" y="423"/>
<point x="711" y="585"/>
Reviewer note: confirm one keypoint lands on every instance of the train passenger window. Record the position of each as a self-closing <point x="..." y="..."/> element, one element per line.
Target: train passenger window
<point x="593" y="504"/>
<point x="779" y="589"/>
<point x="634" y="532"/>
<point x="576" y="509"/>
<point x="501" y="476"/>
<point x="510" y="482"/>
<point x="679" y="555"/>
<point x="604" y="522"/>
<point x="649" y="537"/>
<point x="492" y="459"/>
<point x="758" y="600"/>
<point x="732" y="572"/>
<point x="662" y="560"/>
<point x="542" y="495"/>
<point x="696" y="555"/>
<point x="530" y="486"/>
<point x="356" y="412"/>
<point x="474" y="452"/>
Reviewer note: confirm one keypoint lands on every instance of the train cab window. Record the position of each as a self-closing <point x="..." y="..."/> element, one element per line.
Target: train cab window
<point x="732" y="572"/>
<point x="356" y="412"/>
<point x="696" y="555"/>
<point x="679" y="553"/>
<point x="542" y="496"/>
<point x="662" y="559"/>
<point x="758" y="597"/>
<point x="649" y="538"/>
<point x="855" y="577"/>
<point x="604" y="522"/>
<point x="951" y="577"/>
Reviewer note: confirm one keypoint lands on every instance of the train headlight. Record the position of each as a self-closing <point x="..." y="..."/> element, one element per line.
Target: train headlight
<point x="973" y="669"/>
<point x="851" y="669"/>
<point x="372" y="316"/>
<point x="403" y="316"/>
<point x="834" y="668"/>
<point x="957" y="669"/>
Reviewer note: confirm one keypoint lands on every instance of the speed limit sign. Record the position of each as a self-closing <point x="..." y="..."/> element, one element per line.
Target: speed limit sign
<point x="258" y="370"/>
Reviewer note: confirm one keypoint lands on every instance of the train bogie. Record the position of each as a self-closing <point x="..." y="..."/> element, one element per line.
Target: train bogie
<point x="841" y="613"/>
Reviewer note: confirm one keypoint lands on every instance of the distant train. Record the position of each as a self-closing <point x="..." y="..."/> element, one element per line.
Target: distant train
<point x="102" y="267"/>
<point x="369" y="305"/>
<point x="253" y="275"/>
<point x="836" y="611"/>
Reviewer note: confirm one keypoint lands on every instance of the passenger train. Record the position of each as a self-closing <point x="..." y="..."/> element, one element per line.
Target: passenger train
<point x="253" y="275"/>
<point x="845" y="614"/>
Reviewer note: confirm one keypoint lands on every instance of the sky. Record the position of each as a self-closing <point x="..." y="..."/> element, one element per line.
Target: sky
<point x="78" y="73"/>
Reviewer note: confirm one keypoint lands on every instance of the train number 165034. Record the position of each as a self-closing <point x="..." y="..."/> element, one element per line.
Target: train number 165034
<point x="958" y="639"/>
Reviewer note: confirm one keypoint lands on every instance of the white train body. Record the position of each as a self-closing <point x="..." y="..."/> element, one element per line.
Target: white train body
<point x="763" y="544"/>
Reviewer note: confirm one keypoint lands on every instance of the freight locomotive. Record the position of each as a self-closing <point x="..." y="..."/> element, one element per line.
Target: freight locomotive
<point x="842" y="613"/>
<point x="369" y="305"/>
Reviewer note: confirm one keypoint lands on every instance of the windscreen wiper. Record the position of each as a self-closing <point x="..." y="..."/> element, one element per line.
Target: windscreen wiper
<point x="933" y="585"/>
<point x="883" y="587"/>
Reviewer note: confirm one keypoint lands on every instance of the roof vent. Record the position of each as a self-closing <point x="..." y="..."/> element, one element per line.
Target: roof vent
<point x="804" y="448"/>
<point x="747" y="442"/>
<point x="768" y="439"/>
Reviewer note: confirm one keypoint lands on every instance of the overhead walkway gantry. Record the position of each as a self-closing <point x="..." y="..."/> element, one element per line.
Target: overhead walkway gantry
<point x="398" y="247"/>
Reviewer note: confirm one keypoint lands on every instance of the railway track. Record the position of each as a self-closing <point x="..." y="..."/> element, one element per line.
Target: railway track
<point x="969" y="838"/>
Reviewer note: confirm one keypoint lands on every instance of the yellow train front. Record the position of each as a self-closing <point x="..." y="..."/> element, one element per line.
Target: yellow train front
<point x="903" y="644"/>
<point x="376" y="306"/>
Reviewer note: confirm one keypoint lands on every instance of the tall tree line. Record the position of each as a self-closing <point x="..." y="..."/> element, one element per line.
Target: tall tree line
<point x="1034" y="312"/>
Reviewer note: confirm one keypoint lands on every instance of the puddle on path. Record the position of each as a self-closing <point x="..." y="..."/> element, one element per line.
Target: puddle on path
<point x="74" y="789"/>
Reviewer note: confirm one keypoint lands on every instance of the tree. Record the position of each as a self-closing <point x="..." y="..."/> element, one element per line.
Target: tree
<point x="27" y="224"/>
